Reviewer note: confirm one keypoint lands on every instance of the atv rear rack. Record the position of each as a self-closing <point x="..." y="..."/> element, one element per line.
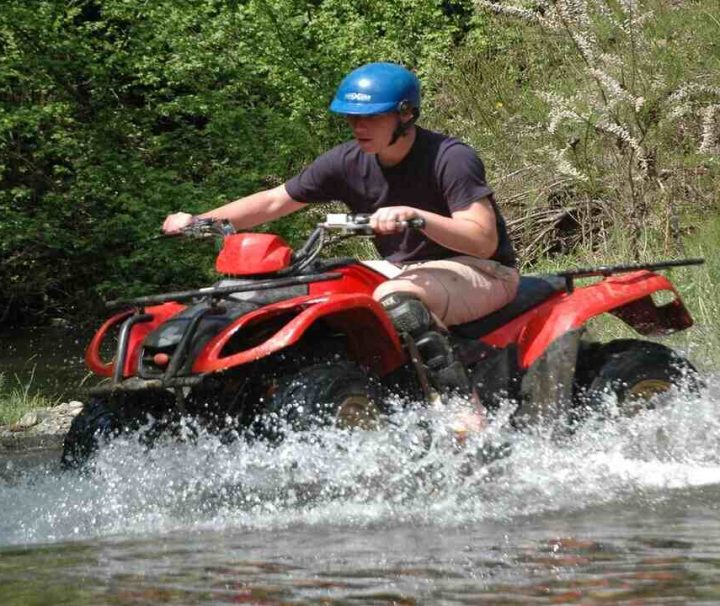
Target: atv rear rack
<point x="608" y="270"/>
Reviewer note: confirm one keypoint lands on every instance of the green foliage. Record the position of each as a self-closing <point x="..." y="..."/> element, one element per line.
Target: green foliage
<point x="114" y="113"/>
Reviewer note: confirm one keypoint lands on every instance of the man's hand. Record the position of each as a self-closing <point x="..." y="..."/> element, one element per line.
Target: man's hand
<point x="388" y="220"/>
<point x="176" y="222"/>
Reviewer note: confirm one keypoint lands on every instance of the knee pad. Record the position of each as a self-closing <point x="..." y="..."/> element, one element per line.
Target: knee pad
<point x="410" y="316"/>
<point x="407" y="313"/>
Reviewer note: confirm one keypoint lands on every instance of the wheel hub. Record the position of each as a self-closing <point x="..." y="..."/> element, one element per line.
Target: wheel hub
<point x="643" y="391"/>
<point x="357" y="411"/>
<point x="648" y="388"/>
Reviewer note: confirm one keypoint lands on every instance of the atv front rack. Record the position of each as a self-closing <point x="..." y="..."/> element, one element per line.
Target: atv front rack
<point x="221" y="291"/>
<point x="213" y="293"/>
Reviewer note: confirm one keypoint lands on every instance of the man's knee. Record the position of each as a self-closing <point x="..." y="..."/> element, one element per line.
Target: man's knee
<point x="407" y="313"/>
<point x="399" y="286"/>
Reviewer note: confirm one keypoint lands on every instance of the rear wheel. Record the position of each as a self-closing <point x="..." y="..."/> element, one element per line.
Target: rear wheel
<point x="333" y="393"/>
<point x="631" y="375"/>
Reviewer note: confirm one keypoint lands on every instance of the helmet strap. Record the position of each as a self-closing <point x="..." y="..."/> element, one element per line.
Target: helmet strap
<point x="403" y="127"/>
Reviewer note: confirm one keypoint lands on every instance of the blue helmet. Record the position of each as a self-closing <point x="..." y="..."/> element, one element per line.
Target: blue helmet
<point x="377" y="88"/>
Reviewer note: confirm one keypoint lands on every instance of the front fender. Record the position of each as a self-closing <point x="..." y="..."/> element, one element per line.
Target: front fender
<point x="372" y="340"/>
<point x="627" y="296"/>
<point x="94" y="360"/>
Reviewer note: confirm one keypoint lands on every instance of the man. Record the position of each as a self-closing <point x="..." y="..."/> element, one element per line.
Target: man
<point x="459" y="267"/>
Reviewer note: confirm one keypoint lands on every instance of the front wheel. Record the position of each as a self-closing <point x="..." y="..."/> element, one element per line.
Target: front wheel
<point x="630" y="374"/>
<point x="104" y="419"/>
<point x="333" y="393"/>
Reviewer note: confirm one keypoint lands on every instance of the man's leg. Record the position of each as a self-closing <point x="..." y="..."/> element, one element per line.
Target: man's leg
<point x="428" y="296"/>
<point x="456" y="290"/>
<point x="412" y="318"/>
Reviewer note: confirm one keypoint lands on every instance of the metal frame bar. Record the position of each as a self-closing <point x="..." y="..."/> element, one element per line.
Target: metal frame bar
<point x="218" y="291"/>
<point x="608" y="270"/>
<point x="122" y="346"/>
<point x="181" y="350"/>
<point x="138" y="384"/>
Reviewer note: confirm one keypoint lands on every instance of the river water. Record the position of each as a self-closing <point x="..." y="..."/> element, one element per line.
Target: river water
<point x="623" y="513"/>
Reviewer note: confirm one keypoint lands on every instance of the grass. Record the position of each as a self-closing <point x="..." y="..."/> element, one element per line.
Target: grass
<point x="17" y="398"/>
<point x="700" y="288"/>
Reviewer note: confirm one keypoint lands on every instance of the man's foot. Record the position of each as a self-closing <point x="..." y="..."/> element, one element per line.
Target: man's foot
<point x="468" y="422"/>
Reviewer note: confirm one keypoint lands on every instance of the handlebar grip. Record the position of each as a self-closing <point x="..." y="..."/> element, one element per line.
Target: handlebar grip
<point x="202" y="227"/>
<point x="416" y="223"/>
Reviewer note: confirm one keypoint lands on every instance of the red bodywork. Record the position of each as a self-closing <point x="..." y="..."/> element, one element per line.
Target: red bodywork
<point x="626" y="296"/>
<point x="250" y="254"/>
<point x="93" y="358"/>
<point x="372" y="340"/>
<point x="346" y="306"/>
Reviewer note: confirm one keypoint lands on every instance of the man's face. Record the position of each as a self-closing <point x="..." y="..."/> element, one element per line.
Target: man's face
<point x="373" y="133"/>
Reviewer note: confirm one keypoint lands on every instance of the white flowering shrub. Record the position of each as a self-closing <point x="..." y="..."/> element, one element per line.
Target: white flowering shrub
<point x="611" y="107"/>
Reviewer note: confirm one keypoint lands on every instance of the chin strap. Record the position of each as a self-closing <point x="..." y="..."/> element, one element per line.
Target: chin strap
<point x="403" y="127"/>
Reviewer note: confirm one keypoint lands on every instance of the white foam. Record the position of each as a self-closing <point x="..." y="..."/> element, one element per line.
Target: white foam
<point x="359" y="479"/>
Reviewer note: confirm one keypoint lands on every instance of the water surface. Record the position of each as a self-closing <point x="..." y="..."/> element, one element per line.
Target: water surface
<point x="621" y="512"/>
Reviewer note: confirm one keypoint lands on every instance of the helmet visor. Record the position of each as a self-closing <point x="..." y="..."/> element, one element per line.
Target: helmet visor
<point x="349" y="108"/>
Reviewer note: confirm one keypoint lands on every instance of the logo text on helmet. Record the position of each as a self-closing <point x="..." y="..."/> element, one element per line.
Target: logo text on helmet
<point x="357" y="97"/>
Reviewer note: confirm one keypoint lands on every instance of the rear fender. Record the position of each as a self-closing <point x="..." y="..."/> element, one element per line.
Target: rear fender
<point x="629" y="297"/>
<point x="372" y="340"/>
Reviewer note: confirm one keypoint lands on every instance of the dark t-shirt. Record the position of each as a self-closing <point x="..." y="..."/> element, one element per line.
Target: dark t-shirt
<point x="440" y="174"/>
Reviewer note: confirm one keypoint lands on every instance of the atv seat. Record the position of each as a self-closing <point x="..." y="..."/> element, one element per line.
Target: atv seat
<point x="532" y="291"/>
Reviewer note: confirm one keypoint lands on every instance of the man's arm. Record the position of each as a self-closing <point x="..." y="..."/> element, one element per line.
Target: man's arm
<point x="244" y="213"/>
<point x="470" y="231"/>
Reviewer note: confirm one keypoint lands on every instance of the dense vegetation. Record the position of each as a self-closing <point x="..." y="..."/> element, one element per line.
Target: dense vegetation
<point x="114" y="113"/>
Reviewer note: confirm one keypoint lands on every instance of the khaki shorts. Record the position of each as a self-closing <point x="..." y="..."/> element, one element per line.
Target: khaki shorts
<point x="456" y="290"/>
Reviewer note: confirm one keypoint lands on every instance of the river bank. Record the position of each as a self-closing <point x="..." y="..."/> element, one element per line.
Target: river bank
<point x="38" y="430"/>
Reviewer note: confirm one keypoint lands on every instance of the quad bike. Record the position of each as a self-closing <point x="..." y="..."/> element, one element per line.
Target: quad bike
<point x="287" y="335"/>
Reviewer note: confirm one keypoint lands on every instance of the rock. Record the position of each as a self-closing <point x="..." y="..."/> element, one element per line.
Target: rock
<point x="28" y="420"/>
<point x="40" y="428"/>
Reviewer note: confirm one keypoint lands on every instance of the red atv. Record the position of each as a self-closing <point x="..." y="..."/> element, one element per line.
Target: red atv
<point x="292" y="337"/>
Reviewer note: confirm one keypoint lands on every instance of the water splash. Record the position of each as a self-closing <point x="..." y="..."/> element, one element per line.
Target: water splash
<point x="357" y="479"/>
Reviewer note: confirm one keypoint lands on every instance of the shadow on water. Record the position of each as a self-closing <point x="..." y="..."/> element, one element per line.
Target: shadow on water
<point x="621" y="512"/>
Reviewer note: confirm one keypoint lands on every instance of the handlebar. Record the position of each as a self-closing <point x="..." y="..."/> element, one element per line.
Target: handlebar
<point x="348" y="224"/>
<point x="351" y="224"/>
<point x="360" y="223"/>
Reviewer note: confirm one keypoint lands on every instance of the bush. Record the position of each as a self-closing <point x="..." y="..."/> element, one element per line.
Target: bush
<point x="117" y="112"/>
<point x="594" y="115"/>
